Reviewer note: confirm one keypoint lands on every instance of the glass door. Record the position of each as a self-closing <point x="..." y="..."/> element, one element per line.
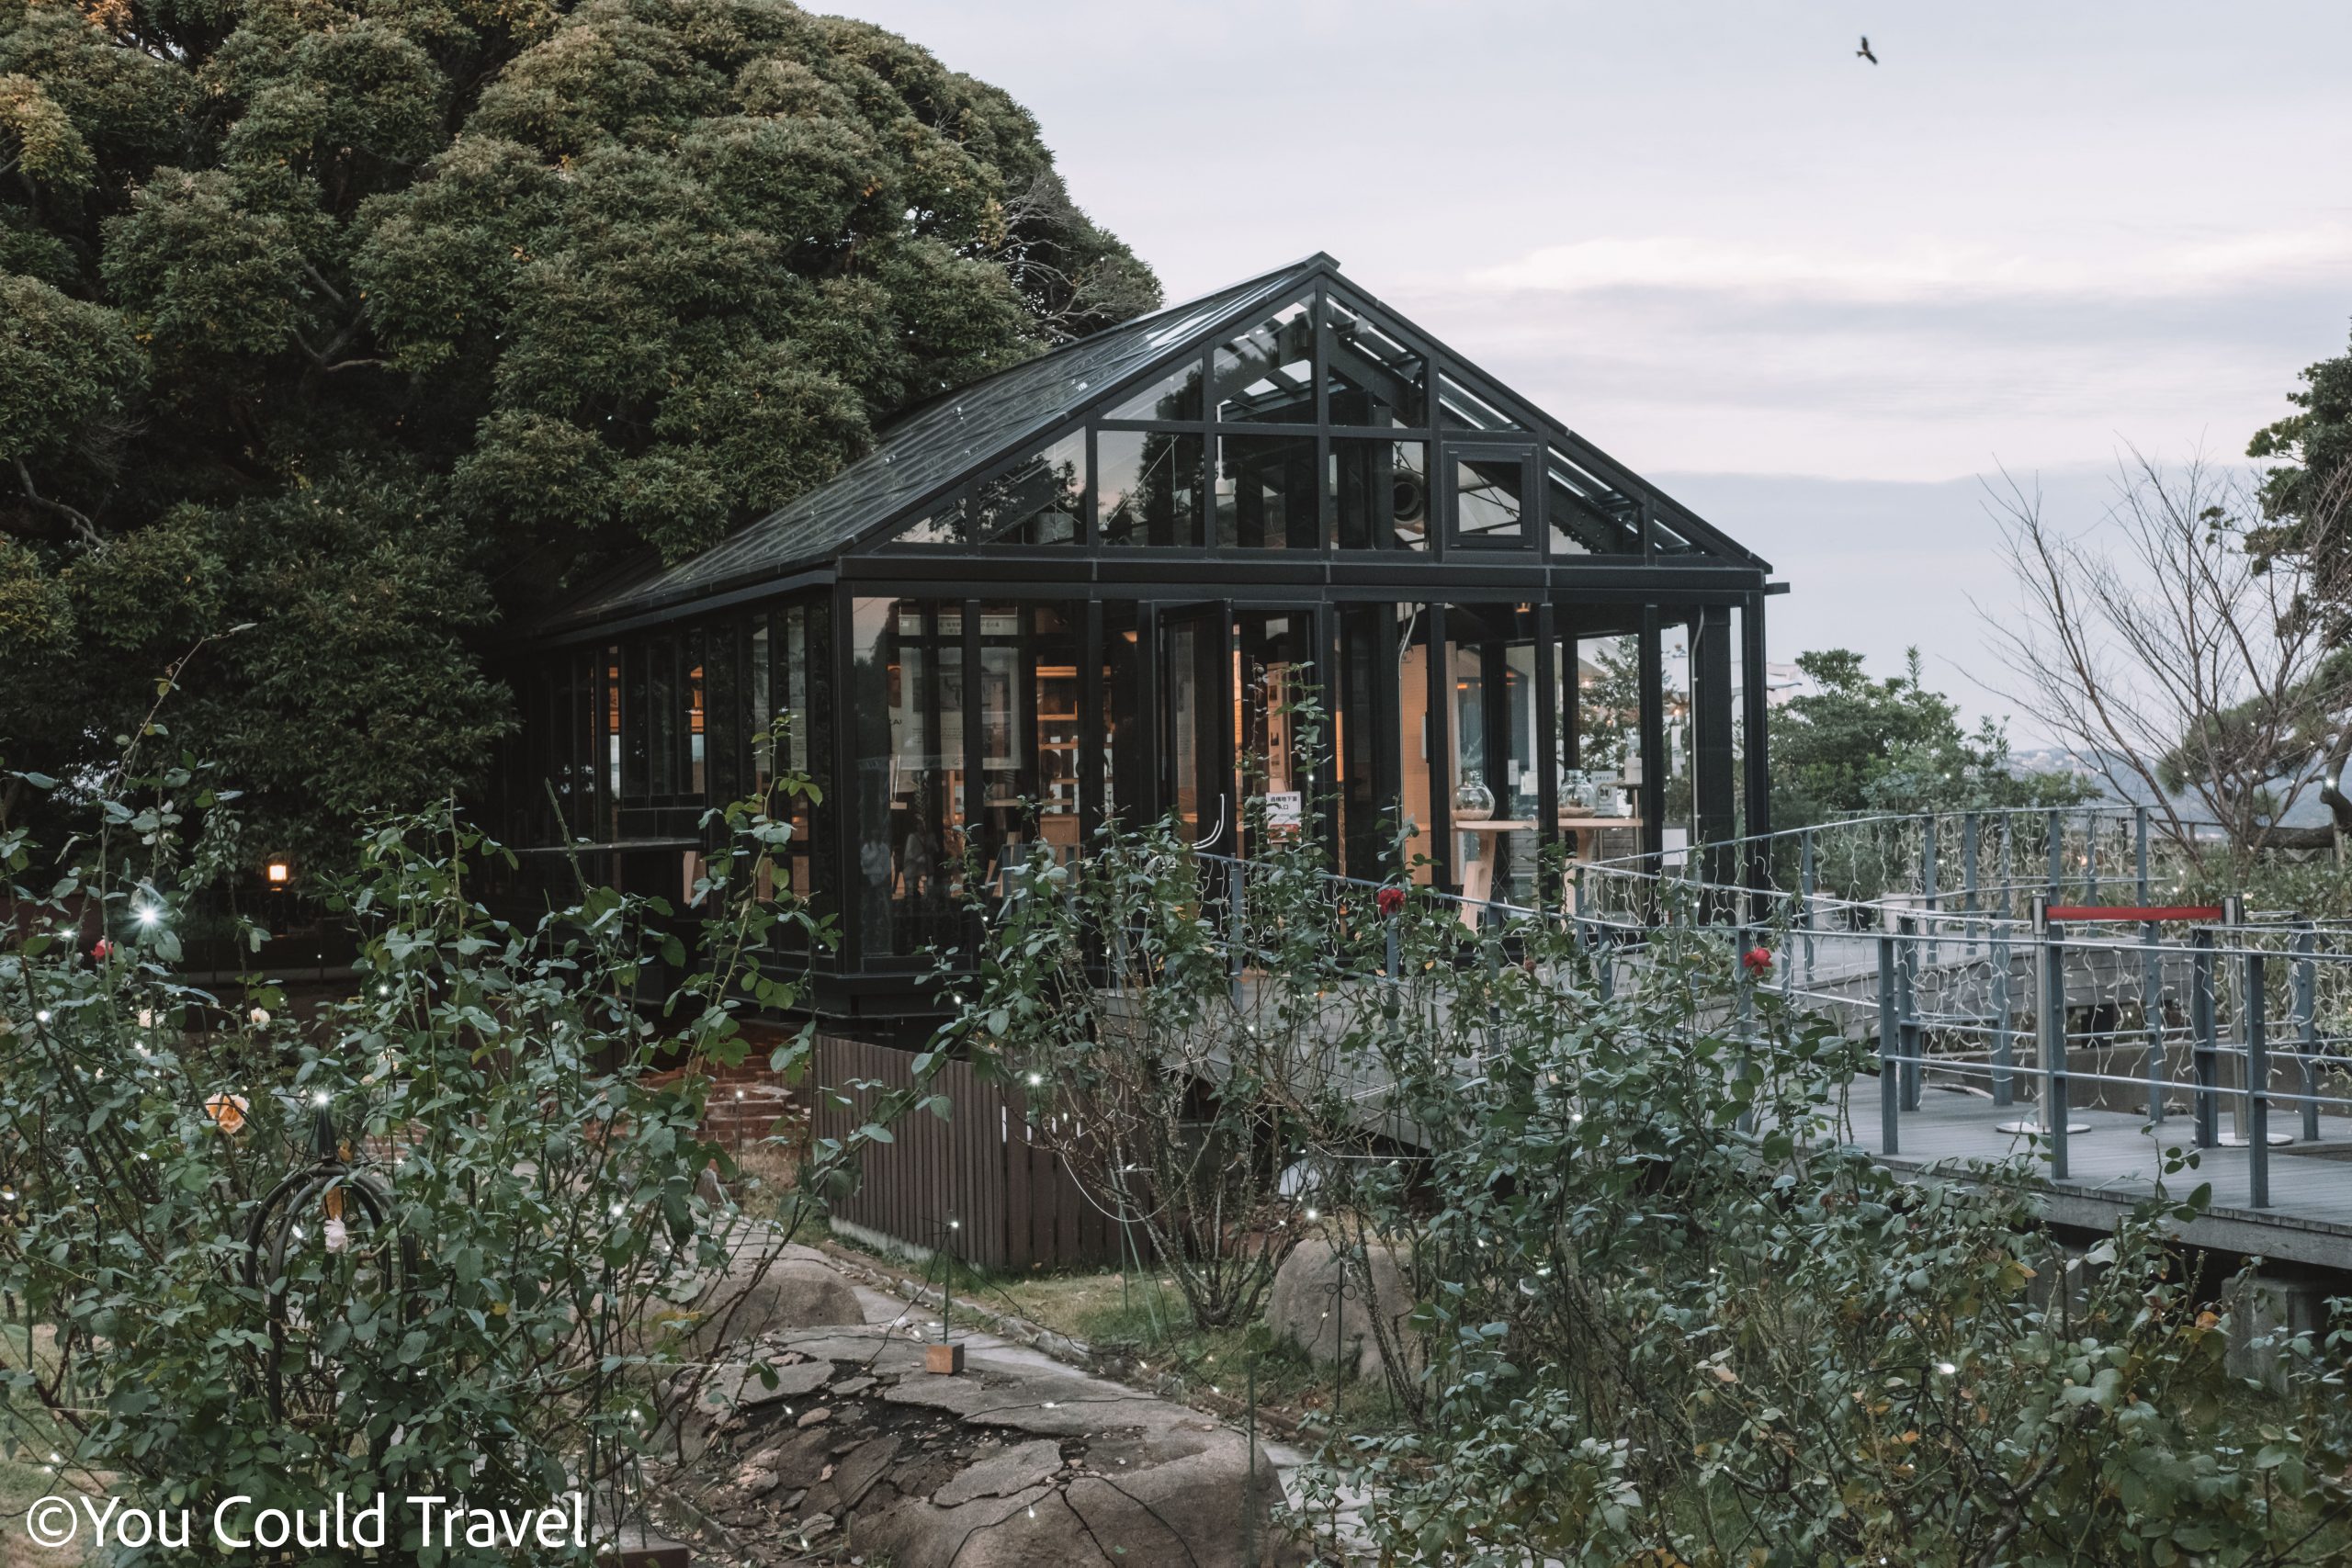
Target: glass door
<point x="1196" y="712"/>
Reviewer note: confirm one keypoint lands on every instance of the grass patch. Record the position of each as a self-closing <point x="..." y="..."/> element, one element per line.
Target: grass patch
<point x="1141" y="1331"/>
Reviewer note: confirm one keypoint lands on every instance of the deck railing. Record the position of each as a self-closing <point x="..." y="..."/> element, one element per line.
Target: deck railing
<point x="2042" y="960"/>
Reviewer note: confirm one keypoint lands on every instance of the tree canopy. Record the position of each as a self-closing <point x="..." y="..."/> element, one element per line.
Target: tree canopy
<point x="1858" y="744"/>
<point x="2303" y="496"/>
<point x="371" y="324"/>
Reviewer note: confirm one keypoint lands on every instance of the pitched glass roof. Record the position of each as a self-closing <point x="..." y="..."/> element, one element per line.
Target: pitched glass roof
<point x="1260" y="374"/>
<point x="933" y="447"/>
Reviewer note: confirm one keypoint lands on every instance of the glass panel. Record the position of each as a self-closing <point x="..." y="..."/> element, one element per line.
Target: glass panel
<point x="1584" y="516"/>
<point x="1197" y="777"/>
<point x="1381" y="495"/>
<point x="1176" y="395"/>
<point x="1665" y="541"/>
<point x="1053" y="656"/>
<point x="944" y="525"/>
<point x="1491" y="658"/>
<point x="697" y="716"/>
<point x="907" y="661"/>
<point x="805" y="659"/>
<point x="1123" y="787"/>
<point x="724" y="721"/>
<point x="1267" y="376"/>
<point x="1674" y="661"/>
<point x="1275" y="668"/>
<point x="1598" y="696"/>
<point x="1489" y="502"/>
<point x="661" y="702"/>
<point x="1362" y="720"/>
<point x="1039" y="502"/>
<point x="1459" y="408"/>
<point x="1266" y="494"/>
<point x="1418" y="735"/>
<point x="612" y="747"/>
<point x="1148" y="487"/>
<point x="762" y="755"/>
<point x="1373" y="378"/>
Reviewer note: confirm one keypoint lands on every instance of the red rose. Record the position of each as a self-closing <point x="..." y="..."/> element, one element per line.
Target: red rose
<point x="1389" y="900"/>
<point x="1758" y="961"/>
<point x="103" y="950"/>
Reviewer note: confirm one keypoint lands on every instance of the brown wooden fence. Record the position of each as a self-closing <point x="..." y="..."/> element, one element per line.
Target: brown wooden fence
<point x="1016" y="1204"/>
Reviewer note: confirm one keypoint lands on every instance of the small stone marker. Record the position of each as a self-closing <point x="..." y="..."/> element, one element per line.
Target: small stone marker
<point x="947" y="1359"/>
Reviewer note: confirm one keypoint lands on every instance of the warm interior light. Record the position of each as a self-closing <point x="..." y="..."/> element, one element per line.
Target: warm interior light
<point x="280" y="873"/>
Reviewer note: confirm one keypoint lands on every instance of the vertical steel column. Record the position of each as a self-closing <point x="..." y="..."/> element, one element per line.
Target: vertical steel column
<point x="2090" y="857"/>
<point x="2054" y="1107"/>
<point x="2152" y="1003"/>
<point x="2307" y="1028"/>
<point x="1890" y="1092"/>
<point x="1651" y="704"/>
<point x="2201" y="1026"/>
<point x="1907" y="1005"/>
<point x="2257" y="1086"/>
<point x="2004" y="1018"/>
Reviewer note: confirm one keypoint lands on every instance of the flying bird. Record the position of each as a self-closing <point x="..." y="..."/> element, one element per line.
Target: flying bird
<point x="1864" y="52"/>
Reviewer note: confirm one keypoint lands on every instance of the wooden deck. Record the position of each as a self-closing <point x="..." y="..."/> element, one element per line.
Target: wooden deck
<point x="2114" y="1164"/>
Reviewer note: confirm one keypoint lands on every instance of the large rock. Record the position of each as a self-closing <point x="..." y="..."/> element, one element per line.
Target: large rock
<point x="1014" y="1462"/>
<point x="1319" y="1304"/>
<point x="759" y="1294"/>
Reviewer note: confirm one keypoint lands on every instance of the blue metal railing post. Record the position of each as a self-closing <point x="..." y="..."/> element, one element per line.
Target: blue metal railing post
<point x="1233" y="917"/>
<point x="2307" y="1028"/>
<point x="1907" y="1006"/>
<point x="1890" y="1090"/>
<point x="1804" y="898"/>
<point x="2152" y="1003"/>
<point x="2057" y="855"/>
<point x="2202" y="1028"/>
<point x="1968" y="875"/>
<point x="2140" y="849"/>
<point x="2257" y="1087"/>
<point x="2004" y="1018"/>
<point x="1928" y="870"/>
<point x="2054" y="1107"/>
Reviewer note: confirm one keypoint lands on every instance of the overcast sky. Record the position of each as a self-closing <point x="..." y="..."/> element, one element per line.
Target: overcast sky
<point x="1814" y="298"/>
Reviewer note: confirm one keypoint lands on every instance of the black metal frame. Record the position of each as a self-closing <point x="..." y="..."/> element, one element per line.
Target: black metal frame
<point x="1686" y="573"/>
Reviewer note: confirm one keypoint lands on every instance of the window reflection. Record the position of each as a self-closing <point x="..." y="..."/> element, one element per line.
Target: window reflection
<point x="1148" y="487"/>
<point x="1492" y="783"/>
<point x="908" y="772"/>
<point x="1490" y="502"/>
<point x="1174" y="396"/>
<point x="1267" y="374"/>
<point x="1381" y="495"/>
<point x="1459" y="408"/>
<point x="1584" y="516"/>
<point x="1374" y="379"/>
<point x="1266" y="494"/>
<point x="1039" y="502"/>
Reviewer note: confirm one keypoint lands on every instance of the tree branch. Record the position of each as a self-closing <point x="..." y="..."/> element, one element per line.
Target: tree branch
<point x="82" y="528"/>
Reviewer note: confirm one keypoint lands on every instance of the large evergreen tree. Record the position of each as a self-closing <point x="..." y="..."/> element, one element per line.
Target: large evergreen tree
<point x="367" y="324"/>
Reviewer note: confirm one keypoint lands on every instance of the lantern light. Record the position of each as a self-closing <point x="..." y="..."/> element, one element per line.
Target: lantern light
<point x="280" y="873"/>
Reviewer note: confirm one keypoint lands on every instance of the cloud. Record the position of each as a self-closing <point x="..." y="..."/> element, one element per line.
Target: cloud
<point x="1927" y="270"/>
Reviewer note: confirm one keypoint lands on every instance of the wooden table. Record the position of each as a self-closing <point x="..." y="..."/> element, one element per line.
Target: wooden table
<point x="1478" y="876"/>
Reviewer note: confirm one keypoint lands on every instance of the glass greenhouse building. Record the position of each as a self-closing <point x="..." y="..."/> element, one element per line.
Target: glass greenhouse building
<point x="1095" y="586"/>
